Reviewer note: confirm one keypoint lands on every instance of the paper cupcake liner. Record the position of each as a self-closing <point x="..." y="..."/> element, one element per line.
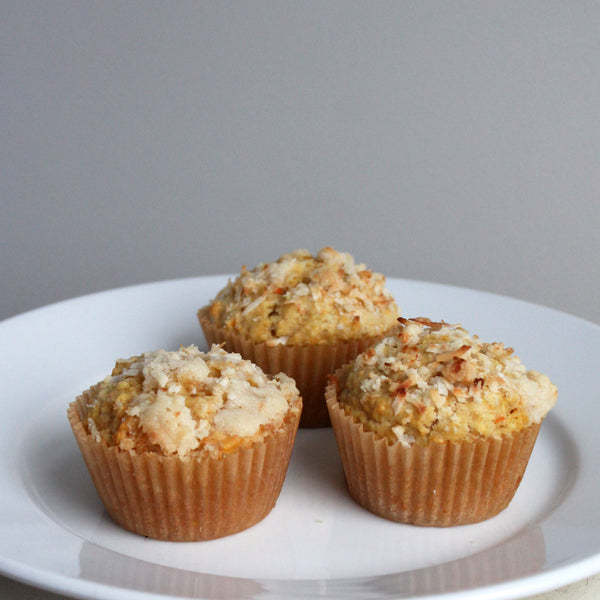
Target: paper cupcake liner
<point x="309" y="365"/>
<point x="194" y="499"/>
<point x="438" y="484"/>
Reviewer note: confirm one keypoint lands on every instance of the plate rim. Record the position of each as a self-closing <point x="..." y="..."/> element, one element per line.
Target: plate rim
<point x="224" y="276"/>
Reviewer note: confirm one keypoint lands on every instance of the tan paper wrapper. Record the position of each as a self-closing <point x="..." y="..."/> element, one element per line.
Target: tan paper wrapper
<point x="440" y="484"/>
<point x="167" y="498"/>
<point x="309" y="365"/>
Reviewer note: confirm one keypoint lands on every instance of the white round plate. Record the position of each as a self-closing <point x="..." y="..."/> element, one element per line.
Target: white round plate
<point x="316" y="543"/>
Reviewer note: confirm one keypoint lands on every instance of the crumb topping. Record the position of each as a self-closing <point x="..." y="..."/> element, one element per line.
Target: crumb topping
<point x="185" y="401"/>
<point x="304" y="299"/>
<point x="433" y="381"/>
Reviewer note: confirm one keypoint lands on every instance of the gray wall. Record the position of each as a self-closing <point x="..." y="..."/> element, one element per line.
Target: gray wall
<point x="446" y="141"/>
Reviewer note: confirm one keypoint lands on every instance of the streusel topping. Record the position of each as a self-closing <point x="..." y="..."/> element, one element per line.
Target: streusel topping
<point x="188" y="401"/>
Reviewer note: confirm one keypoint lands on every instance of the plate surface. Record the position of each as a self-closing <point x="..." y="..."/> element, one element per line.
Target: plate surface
<point x="316" y="543"/>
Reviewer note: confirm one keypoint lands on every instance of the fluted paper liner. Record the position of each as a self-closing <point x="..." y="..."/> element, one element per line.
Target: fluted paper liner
<point x="437" y="484"/>
<point x="309" y="365"/>
<point x="193" y="499"/>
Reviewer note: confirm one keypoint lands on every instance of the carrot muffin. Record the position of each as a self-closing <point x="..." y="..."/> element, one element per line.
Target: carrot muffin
<point x="436" y="427"/>
<point x="304" y="315"/>
<point x="187" y="445"/>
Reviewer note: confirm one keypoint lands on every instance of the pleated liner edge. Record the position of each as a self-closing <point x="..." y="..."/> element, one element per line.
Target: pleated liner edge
<point x="309" y="365"/>
<point x="439" y="484"/>
<point x="167" y="498"/>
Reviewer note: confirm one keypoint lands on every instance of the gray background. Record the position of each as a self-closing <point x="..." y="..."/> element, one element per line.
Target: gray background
<point x="454" y="142"/>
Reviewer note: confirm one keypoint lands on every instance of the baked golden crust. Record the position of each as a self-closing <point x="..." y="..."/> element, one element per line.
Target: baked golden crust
<point x="301" y="299"/>
<point x="188" y="402"/>
<point x="434" y="382"/>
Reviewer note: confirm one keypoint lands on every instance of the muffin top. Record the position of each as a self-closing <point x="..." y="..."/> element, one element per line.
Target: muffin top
<point x="434" y="382"/>
<point x="187" y="402"/>
<point x="301" y="299"/>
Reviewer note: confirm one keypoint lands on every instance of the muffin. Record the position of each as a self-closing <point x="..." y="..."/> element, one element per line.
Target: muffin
<point x="187" y="445"/>
<point x="303" y="315"/>
<point x="435" y="427"/>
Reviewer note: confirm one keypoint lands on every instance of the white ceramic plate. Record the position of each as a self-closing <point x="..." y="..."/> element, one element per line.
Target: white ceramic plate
<point x="316" y="543"/>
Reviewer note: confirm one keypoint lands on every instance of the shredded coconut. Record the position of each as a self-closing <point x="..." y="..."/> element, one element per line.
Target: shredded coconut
<point x="304" y="299"/>
<point x="435" y="381"/>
